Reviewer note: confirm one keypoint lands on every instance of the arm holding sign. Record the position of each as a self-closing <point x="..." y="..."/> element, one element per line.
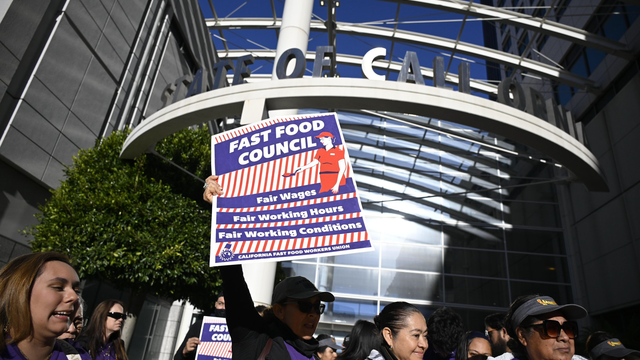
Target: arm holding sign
<point x="290" y="323"/>
<point x="186" y="351"/>
<point x="211" y="188"/>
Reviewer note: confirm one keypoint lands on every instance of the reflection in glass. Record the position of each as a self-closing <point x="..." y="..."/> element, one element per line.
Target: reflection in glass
<point x="348" y="280"/>
<point x="487" y="292"/>
<point x="410" y="285"/>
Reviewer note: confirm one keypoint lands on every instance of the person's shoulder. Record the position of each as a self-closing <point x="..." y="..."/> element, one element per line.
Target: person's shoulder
<point x="72" y="350"/>
<point x="505" y="356"/>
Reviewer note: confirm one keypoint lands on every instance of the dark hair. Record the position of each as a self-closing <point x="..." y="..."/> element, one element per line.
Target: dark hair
<point x="363" y="338"/>
<point x="463" y="346"/>
<point x="321" y="349"/>
<point x="394" y="316"/>
<point x="595" y="339"/>
<point x="16" y="282"/>
<point x="517" y="348"/>
<point x="495" y="321"/>
<point x="96" y="331"/>
<point x="445" y="329"/>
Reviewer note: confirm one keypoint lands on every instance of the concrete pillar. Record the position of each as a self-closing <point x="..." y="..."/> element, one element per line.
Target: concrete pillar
<point x="294" y="33"/>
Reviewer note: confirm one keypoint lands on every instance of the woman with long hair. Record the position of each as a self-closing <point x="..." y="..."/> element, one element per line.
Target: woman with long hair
<point x="363" y="338"/>
<point x="38" y="299"/>
<point x="102" y="336"/>
<point x="474" y="345"/>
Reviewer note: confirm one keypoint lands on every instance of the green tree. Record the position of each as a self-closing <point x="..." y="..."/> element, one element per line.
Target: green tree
<point x="136" y="223"/>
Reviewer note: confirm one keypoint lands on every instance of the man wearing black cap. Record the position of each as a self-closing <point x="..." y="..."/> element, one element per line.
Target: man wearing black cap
<point x="540" y="329"/>
<point x="609" y="348"/>
<point x="327" y="348"/>
<point x="285" y="332"/>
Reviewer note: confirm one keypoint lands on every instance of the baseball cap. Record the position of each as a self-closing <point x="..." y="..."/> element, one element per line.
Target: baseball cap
<point x="330" y="342"/>
<point x="612" y="347"/>
<point x="325" y="134"/>
<point x="298" y="287"/>
<point x="544" y="305"/>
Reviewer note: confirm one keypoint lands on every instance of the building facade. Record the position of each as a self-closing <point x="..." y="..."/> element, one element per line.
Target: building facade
<point x="459" y="216"/>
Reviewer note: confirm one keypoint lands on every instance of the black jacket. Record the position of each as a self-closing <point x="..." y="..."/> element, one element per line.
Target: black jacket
<point x="249" y="331"/>
<point x="194" y="331"/>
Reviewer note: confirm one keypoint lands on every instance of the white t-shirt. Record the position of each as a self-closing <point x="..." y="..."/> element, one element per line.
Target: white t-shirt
<point x="509" y="356"/>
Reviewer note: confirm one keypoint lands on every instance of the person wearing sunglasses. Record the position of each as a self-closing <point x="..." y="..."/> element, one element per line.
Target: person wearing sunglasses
<point x="101" y="338"/>
<point x="285" y="331"/>
<point x="602" y="346"/>
<point x="540" y="329"/>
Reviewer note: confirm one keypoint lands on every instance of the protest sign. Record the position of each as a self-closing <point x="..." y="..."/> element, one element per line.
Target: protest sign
<point x="288" y="192"/>
<point x="215" y="341"/>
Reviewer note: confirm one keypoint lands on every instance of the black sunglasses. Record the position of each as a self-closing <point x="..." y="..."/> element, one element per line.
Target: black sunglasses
<point x="117" y="315"/>
<point x="552" y="328"/>
<point x="306" y="306"/>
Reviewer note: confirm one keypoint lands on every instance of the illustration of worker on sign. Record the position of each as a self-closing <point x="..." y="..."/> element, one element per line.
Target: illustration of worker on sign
<point x="333" y="166"/>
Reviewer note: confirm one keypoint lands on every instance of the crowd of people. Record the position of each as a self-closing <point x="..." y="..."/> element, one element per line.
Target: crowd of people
<point x="42" y="318"/>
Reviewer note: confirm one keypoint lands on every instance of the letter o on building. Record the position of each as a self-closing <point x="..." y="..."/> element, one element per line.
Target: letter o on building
<point x="283" y="62"/>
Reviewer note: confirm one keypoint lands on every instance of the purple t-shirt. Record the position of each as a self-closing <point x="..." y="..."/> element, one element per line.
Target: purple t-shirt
<point x="13" y="353"/>
<point x="295" y="355"/>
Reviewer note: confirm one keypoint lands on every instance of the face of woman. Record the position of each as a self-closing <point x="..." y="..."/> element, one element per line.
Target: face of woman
<point x="112" y="325"/>
<point x="326" y="141"/>
<point x="54" y="300"/>
<point x="540" y="347"/>
<point x="479" y="348"/>
<point x="302" y="324"/>
<point x="328" y="354"/>
<point x="410" y="342"/>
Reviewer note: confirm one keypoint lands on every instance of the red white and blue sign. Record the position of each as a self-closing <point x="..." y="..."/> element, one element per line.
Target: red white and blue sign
<point x="288" y="192"/>
<point x="215" y="341"/>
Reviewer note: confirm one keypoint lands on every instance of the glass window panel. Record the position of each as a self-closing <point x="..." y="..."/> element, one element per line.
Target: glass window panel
<point x="632" y="13"/>
<point x="407" y="257"/>
<point x="538" y="267"/>
<point x="535" y="241"/>
<point x="474" y="262"/>
<point x="296" y="269"/>
<point x="594" y="57"/>
<point x="348" y="311"/>
<point x="369" y="258"/>
<point x="563" y="94"/>
<point x="483" y="238"/>
<point x="386" y="228"/>
<point x="532" y="214"/>
<point x="411" y="285"/>
<point x="560" y="293"/>
<point x="474" y="291"/>
<point x="615" y="25"/>
<point x="348" y="280"/>
<point x="580" y="66"/>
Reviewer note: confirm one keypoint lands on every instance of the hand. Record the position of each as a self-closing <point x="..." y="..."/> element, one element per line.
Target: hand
<point x="212" y="189"/>
<point x="191" y="344"/>
<point x="335" y="188"/>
